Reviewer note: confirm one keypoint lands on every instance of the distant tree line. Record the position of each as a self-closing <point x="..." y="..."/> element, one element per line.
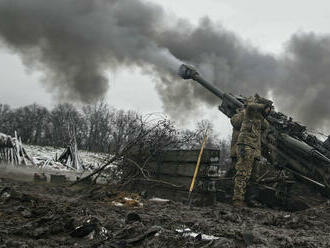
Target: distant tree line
<point x="100" y="128"/>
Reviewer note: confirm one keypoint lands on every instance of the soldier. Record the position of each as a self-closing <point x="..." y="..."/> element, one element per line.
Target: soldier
<point x="249" y="144"/>
<point x="236" y="122"/>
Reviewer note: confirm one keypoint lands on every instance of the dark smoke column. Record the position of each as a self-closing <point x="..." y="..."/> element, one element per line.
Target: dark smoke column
<point x="74" y="42"/>
<point x="52" y="36"/>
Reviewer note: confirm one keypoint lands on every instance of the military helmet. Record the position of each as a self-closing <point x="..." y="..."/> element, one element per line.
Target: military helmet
<point x="261" y="100"/>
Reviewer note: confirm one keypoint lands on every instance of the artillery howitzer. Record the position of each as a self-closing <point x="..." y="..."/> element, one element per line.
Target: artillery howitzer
<point x="286" y="144"/>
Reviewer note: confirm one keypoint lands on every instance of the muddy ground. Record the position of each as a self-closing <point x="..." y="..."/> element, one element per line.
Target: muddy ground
<point x="49" y="215"/>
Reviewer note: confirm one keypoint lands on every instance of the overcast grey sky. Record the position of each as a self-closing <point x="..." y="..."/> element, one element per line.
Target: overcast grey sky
<point x="266" y="25"/>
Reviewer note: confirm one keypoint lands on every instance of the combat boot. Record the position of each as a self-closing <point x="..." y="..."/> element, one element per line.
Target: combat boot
<point x="239" y="204"/>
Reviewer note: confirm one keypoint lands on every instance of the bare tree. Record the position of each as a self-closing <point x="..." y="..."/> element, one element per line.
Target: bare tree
<point x="98" y="119"/>
<point x="155" y="134"/>
<point x="213" y="140"/>
<point x="5" y="118"/>
<point x="29" y="121"/>
<point x="125" y="127"/>
<point x="137" y="145"/>
<point x="63" y="117"/>
<point x="99" y="128"/>
<point x="192" y="139"/>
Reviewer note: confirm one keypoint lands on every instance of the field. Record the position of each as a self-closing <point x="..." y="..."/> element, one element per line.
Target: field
<point x="59" y="215"/>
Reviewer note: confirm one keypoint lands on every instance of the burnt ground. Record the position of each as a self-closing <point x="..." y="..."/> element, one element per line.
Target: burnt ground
<point x="52" y="215"/>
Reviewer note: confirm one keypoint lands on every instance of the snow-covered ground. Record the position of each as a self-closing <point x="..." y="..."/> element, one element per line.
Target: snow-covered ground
<point x="45" y="157"/>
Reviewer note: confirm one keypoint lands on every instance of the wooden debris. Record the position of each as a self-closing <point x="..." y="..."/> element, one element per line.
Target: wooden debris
<point x="70" y="157"/>
<point x="12" y="151"/>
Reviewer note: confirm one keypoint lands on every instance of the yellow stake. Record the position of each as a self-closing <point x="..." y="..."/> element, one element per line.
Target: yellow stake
<point x="197" y="167"/>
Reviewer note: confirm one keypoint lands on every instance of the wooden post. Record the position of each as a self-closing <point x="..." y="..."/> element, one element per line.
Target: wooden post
<point x="197" y="168"/>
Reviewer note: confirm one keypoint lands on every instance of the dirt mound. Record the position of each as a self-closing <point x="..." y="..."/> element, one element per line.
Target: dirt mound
<point x="48" y="215"/>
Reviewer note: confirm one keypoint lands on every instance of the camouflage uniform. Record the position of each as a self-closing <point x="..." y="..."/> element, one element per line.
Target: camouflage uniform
<point x="249" y="143"/>
<point x="236" y="122"/>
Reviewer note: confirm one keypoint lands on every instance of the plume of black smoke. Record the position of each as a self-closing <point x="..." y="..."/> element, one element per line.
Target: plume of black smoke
<point x="75" y="41"/>
<point x="305" y="85"/>
<point x="222" y="58"/>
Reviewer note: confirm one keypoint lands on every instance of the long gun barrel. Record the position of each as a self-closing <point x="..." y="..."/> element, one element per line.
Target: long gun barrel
<point x="288" y="140"/>
<point x="230" y="103"/>
<point x="188" y="72"/>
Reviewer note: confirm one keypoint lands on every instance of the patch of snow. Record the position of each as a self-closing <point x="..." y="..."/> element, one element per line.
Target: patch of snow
<point x="156" y="199"/>
<point x="117" y="204"/>
<point x="209" y="237"/>
<point x="45" y="158"/>
<point x="188" y="233"/>
<point x="91" y="235"/>
<point x="183" y="230"/>
<point x="5" y="195"/>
